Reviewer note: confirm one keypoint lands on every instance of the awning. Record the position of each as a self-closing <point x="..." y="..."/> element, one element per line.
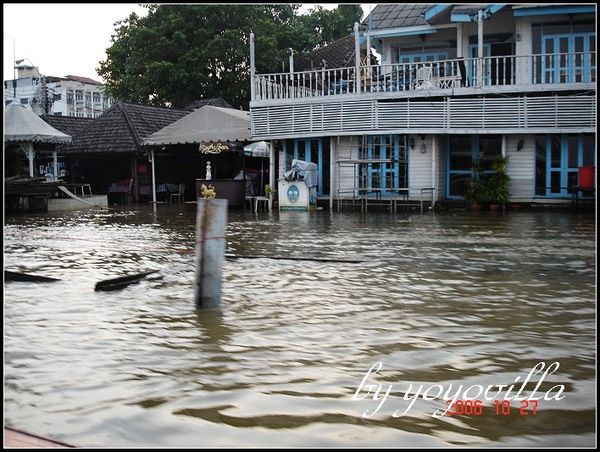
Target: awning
<point x="21" y="124"/>
<point x="207" y="124"/>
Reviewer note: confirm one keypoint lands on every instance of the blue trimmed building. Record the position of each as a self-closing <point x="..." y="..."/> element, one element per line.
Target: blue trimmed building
<point x="403" y="108"/>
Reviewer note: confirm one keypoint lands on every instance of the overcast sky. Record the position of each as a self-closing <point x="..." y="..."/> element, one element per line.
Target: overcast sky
<point x="67" y="39"/>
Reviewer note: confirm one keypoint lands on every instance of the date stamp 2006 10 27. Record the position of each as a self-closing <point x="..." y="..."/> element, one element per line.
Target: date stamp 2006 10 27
<point x="501" y="407"/>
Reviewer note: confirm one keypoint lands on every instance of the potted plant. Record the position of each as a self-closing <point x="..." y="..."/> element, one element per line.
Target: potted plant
<point x="476" y="190"/>
<point x="497" y="184"/>
<point x="269" y="191"/>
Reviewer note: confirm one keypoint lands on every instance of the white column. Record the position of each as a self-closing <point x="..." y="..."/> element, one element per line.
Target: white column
<point x="480" y="48"/>
<point x="357" y="58"/>
<point x="30" y="153"/>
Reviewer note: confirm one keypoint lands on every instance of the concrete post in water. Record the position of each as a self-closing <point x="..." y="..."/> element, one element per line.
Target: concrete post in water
<point x="211" y="222"/>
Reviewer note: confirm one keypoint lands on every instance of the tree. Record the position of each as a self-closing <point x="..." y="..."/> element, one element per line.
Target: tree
<point x="179" y="53"/>
<point x="323" y="27"/>
<point x="14" y="161"/>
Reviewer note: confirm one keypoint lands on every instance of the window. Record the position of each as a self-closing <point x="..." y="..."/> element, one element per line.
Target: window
<point x="566" y="48"/>
<point x="558" y="159"/>
<point x="315" y="150"/>
<point x="463" y="152"/>
<point x="385" y="166"/>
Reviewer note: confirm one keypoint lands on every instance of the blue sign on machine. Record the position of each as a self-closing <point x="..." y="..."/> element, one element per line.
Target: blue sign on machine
<point x="293" y="193"/>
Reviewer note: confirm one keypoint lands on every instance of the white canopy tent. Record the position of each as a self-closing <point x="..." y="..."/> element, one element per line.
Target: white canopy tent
<point x="23" y="126"/>
<point x="205" y="125"/>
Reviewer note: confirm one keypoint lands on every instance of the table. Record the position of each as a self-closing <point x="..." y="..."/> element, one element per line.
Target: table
<point x="453" y="81"/>
<point x="79" y="189"/>
<point x="392" y="199"/>
<point x="258" y="200"/>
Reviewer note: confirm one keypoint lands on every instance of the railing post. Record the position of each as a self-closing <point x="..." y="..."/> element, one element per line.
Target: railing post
<point x="480" y="48"/>
<point x="357" y="58"/>
<point x="252" y="70"/>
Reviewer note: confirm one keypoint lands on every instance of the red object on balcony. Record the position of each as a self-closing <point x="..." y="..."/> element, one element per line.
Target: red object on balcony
<point x="586" y="177"/>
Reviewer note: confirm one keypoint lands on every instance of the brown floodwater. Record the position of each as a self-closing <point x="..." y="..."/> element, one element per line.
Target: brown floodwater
<point x="333" y="330"/>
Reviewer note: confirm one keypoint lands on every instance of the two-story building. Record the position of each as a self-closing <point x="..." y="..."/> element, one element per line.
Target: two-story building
<point x="455" y="86"/>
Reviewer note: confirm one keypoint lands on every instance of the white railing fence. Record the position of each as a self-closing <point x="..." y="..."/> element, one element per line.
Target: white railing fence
<point x="443" y="74"/>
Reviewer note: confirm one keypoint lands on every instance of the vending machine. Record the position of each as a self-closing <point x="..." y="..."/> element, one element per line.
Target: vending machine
<point x="298" y="190"/>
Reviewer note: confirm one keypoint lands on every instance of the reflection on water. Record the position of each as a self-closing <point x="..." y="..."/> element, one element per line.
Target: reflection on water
<point x="439" y="300"/>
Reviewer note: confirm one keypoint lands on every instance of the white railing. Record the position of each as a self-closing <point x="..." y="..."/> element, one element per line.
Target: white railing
<point x="431" y="75"/>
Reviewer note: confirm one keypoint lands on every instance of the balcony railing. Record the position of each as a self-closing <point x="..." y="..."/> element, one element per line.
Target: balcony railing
<point x="414" y="78"/>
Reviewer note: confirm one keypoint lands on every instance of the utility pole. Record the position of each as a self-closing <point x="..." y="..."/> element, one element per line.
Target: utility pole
<point x="14" y="67"/>
<point x="44" y="99"/>
<point x="44" y="95"/>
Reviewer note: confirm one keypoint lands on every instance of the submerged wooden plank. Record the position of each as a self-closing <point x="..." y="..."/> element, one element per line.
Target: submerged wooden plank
<point x="292" y="258"/>
<point x="18" y="276"/>
<point x="121" y="281"/>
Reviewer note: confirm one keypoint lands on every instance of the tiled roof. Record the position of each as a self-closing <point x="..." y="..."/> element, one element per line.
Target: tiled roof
<point x="122" y="128"/>
<point x="213" y="102"/>
<point x="68" y="124"/>
<point x="396" y="15"/>
<point x="341" y="53"/>
<point x="337" y="54"/>
<point x="77" y="78"/>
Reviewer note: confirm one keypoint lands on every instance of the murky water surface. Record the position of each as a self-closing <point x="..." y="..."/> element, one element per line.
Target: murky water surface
<point x="455" y="305"/>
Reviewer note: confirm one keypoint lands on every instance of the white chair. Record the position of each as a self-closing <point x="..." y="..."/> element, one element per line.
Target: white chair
<point x="423" y="78"/>
<point x="179" y="195"/>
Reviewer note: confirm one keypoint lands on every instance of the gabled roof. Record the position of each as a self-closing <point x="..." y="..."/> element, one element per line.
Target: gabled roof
<point x="22" y="125"/>
<point x="204" y="125"/>
<point x="336" y="54"/>
<point x="122" y="128"/>
<point x="340" y="53"/>
<point x="70" y="125"/>
<point x="213" y="102"/>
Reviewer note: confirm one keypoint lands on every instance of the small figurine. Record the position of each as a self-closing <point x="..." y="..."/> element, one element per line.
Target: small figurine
<point x="208" y="192"/>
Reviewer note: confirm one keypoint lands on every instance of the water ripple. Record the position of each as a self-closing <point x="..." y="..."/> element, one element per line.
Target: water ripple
<point x="441" y="301"/>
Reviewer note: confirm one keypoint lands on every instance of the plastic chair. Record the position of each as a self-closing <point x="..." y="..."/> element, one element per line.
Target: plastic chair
<point x="423" y="78"/>
<point x="179" y="194"/>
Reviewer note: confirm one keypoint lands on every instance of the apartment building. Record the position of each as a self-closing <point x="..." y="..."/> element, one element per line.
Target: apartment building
<point x="75" y="96"/>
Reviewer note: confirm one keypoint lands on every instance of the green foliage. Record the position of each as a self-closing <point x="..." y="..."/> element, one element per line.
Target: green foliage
<point x="180" y="53"/>
<point x="269" y="191"/>
<point x="14" y="161"/>
<point x="497" y="184"/>
<point x="475" y="193"/>
<point x="321" y="27"/>
<point x="491" y="188"/>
